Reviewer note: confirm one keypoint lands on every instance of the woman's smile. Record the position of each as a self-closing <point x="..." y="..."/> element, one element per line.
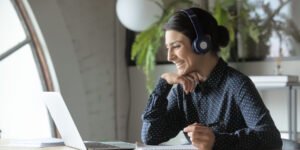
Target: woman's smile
<point x="179" y="65"/>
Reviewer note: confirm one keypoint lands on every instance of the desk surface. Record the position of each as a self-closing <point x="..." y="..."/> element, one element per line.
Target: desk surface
<point x="30" y="148"/>
<point x="5" y="142"/>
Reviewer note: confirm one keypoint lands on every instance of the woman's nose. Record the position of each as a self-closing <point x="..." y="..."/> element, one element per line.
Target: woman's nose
<point x="171" y="56"/>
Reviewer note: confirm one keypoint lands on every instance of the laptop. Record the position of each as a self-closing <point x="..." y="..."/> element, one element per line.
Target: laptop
<point x="68" y="130"/>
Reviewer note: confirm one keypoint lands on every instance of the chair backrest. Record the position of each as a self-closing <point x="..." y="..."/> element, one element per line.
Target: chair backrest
<point x="290" y="145"/>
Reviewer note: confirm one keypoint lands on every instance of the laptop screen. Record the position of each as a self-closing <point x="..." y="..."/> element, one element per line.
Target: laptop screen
<point x="63" y="119"/>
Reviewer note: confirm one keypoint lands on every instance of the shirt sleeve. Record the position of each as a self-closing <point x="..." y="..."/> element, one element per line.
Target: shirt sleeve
<point x="260" y="132"/>
<point x="162" y="119"/>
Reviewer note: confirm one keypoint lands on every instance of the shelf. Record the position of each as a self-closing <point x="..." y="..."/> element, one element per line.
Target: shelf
<point x="273" y="81"/>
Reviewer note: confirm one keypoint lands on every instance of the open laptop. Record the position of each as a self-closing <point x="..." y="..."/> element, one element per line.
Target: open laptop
<point x="68" y="130"/>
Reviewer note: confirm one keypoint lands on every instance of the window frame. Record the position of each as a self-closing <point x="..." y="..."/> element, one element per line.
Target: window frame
<point x="38" y="54"/>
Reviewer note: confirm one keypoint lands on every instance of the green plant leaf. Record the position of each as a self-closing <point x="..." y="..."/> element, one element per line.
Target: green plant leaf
<point x="254" y="33"/>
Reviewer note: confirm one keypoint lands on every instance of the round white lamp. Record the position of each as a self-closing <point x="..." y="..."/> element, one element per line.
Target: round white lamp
<point x="138" y="15"/>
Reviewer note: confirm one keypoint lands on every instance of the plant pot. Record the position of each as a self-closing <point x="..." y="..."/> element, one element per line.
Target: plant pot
<point x="252" y="50"/>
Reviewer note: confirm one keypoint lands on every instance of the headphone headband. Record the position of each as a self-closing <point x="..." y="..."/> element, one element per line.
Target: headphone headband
<point x="201" y="44"/>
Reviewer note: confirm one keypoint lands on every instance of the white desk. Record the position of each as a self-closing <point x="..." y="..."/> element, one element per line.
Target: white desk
<point x="292" y="100"/>
<point x="30" y="148"/>
<point x="5" y="142"/>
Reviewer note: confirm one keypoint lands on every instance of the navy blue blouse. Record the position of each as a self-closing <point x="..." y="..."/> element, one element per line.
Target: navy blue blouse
<point x="228" y="98"/>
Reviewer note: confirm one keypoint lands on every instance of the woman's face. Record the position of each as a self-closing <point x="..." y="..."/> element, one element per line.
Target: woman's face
<point x="180" y="52"/>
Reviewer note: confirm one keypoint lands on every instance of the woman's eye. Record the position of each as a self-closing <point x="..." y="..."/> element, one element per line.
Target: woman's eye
<point x="176" y="46"/>
<point x="172" y="47"/>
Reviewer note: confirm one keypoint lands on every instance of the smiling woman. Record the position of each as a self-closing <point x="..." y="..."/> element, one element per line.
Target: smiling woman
<point x="216" y="106"/>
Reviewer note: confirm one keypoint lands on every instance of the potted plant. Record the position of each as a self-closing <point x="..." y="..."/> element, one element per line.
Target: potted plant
<point x="254" y="29"/>
<point x="249" y="31"/>
<point x="225" y="13"/>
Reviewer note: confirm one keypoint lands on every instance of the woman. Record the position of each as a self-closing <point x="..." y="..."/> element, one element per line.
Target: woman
<point x="215" y="105"/>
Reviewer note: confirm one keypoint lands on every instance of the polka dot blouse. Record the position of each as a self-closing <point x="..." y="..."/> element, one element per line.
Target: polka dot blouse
<point x="227" y="98"/>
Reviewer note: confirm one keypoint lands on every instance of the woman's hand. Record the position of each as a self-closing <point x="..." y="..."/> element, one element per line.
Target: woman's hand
<point x="188" y="81"/>
<point x="201" y="136"/>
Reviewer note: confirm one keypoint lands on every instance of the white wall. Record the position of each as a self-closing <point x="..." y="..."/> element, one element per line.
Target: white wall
<point x="64" y="60"/>
<point x="86" y="44"/>
<point x="92" y="36"/>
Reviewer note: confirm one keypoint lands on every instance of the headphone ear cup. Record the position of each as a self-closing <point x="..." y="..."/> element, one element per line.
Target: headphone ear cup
<point x="205" y="45"/>
<point x="201" y="46"/>
<point x="196" y="47"/>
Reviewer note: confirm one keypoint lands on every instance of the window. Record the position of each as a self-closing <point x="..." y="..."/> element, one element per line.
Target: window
<point x="268" y="29"/>
<point x="22" y="76"/>
<point x="282" y="40"/>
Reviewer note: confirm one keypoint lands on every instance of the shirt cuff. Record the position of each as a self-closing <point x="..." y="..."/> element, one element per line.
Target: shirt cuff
<point x="162" y="88"/>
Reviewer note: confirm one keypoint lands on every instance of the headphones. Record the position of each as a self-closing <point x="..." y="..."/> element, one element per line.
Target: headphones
<point x="201" y="44"/>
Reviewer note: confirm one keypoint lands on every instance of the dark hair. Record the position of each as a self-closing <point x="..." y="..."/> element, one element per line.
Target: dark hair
<point x="181" y="23"/>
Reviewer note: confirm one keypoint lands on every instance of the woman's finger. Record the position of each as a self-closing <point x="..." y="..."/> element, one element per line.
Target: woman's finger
<point x="200" y="77"/>
<point x="190" y="83"/>
<point x="183" y="81"/>
<point x="195" y="79"/>
<point x="194" y="76"/>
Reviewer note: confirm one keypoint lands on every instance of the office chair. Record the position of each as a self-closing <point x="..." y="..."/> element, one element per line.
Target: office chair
<point x="290" y="145"/>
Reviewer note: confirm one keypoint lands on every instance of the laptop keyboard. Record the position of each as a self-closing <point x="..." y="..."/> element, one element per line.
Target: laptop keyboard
<point x="98" y="145"/>
<point x="94" y="145"/>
